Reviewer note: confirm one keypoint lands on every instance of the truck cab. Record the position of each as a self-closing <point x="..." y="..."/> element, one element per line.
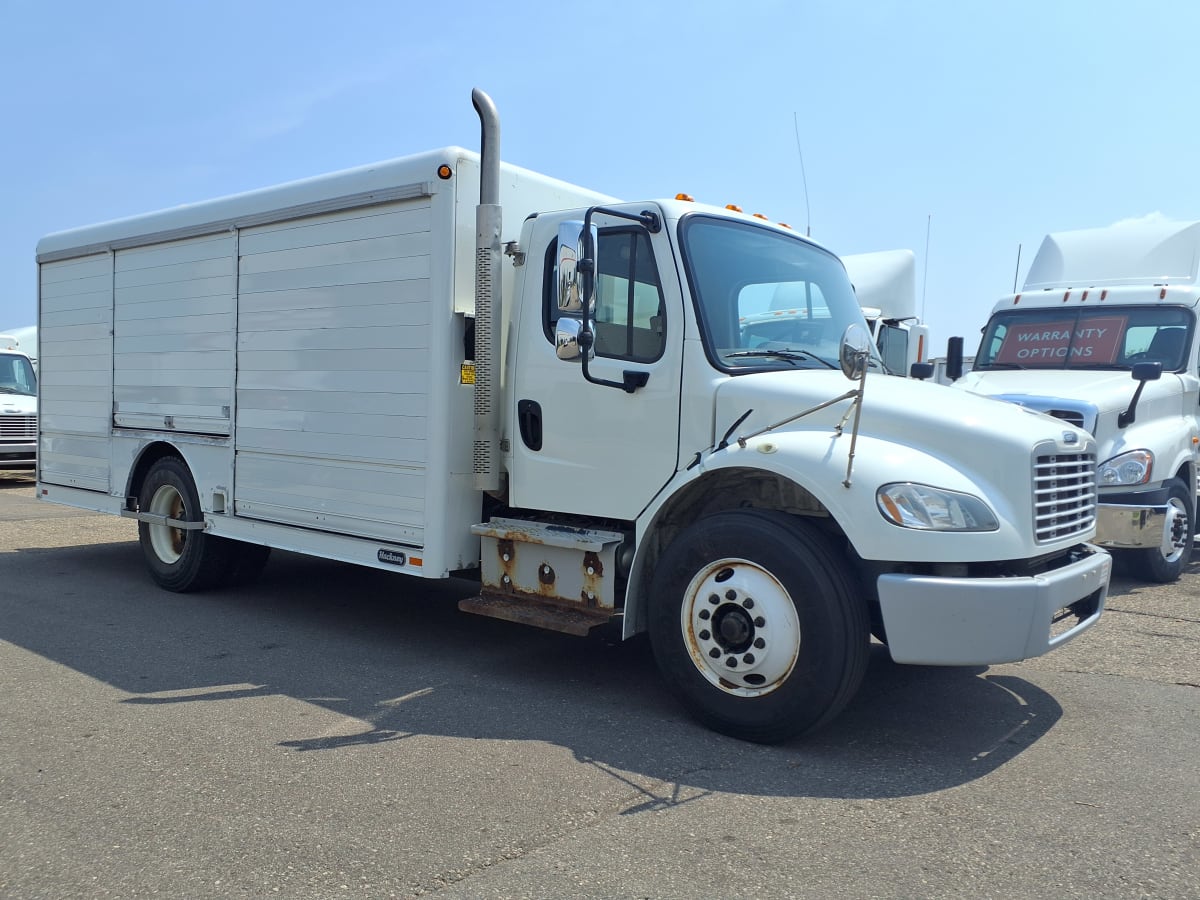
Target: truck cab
<point x="1104" y="335"/>
<point x="18" y="407"/>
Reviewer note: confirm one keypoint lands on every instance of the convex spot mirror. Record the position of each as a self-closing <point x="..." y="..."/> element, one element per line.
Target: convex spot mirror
<point x="855" y="350"/>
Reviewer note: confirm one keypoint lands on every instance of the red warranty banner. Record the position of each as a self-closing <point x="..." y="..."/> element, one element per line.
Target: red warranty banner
<point x="1091" y="342"/>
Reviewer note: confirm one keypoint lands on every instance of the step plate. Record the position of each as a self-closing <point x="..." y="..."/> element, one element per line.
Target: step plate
<point x="551" y="616"/>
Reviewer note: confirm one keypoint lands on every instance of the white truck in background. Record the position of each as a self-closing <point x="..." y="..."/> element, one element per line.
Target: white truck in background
<point x="445" y="364"/>
<point x="885" y="283"/>
<point x="18" y="406"/>
<point x="1104" y="335"/>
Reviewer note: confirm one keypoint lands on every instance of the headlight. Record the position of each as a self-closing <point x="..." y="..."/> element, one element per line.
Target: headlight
<point x="1128" y="468"/>
<point x="933" y="509"/>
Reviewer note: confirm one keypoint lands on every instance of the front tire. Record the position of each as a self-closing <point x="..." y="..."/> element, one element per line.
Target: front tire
<point x="1165" y="563"/>
<point x="179" y="559"/>
<point x="755" y="625"/>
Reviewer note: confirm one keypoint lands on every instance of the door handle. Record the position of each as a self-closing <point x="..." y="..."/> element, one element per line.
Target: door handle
<point x="529" y="419"/>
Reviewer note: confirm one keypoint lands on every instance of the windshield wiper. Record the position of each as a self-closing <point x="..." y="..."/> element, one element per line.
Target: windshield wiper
<point x="790" y="355"/>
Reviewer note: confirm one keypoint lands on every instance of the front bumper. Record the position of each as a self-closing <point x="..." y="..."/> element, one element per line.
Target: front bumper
<point x="934" y="621"/>
<point x="1126" y="527"/>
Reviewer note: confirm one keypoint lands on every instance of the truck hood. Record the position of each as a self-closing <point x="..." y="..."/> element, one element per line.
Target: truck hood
<point x="1107" y="391"/>
<point x="953" y="425"/>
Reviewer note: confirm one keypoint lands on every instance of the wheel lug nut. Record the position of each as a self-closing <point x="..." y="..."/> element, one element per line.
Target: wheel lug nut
<point x="714" y="652"/>
<point x="731" y="662"/>
<point x="759" y="643"/>
<point x="714" y="599"/>
<point x="705" y="635"/>
<point x="731" y="594"/>
<point x="705" y="614"/>
<point x="748" y="659"/>
<point x="759" y="621"/>
<point x="748" y="603"/>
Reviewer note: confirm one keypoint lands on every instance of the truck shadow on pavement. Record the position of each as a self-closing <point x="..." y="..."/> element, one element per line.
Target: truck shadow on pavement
<point x="397" y="655"/>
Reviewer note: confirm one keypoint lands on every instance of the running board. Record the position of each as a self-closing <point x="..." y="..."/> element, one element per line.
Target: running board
<point x="538" y="613"/>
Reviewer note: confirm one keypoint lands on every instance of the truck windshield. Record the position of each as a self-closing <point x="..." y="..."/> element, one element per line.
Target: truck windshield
<point x="1114" y="337"/>
<point x="16" y="375"/>
<point x="766" y="299"/>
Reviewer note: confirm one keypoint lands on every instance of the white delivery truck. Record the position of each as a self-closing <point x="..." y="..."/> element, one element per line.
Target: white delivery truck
<point x="18" y="406"/>
<point x="443" y="364"/>
<point x="1103" y="335"/>
<point x="885" y="283"/>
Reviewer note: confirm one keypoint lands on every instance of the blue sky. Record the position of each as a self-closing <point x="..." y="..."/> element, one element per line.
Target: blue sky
<point x="983" y="126"/>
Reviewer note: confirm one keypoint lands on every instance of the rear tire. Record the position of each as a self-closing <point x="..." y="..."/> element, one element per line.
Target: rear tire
<point x="756" y="626"/>
<point x="1165" y="563"/>
<point x="179" y="559"/>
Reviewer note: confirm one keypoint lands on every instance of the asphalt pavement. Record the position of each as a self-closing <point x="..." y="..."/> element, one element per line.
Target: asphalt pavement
<point x="332" y="731"/>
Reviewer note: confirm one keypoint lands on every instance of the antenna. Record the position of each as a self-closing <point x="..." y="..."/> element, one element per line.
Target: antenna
<point x="925" y="272"/>
<point x="803" y="179"/>
<point x="1017" y="269"/>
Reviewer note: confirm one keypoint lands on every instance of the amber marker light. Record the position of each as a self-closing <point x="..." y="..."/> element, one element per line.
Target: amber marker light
<point x="761" y="216"/>
<point x="444" y="172"/>
<point x="686" y="197"/>
<point x="734" y="207"/>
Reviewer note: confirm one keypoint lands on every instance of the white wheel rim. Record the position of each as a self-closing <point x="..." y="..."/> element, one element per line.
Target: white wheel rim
<point x="167" y="541"/>
<point x="1175" y="531"/>
<point x="740" y="627"/>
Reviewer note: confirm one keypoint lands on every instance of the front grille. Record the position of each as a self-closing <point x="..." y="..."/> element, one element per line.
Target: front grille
<point x="1064" y="495"/>
<point x="18" y="428"/>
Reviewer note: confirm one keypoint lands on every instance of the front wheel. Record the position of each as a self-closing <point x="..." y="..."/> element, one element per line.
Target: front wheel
<point x="1165" y="563"/>
<point x="755" y="625"/>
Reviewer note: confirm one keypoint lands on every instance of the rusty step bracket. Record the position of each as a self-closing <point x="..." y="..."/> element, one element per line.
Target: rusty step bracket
<point x="540" y="614"/>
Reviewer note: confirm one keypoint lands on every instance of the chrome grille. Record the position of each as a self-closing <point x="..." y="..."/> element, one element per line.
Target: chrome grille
<point x="18" y="428"/>
<point x="1064" y="495"/>
<point x="1069" y="415"/>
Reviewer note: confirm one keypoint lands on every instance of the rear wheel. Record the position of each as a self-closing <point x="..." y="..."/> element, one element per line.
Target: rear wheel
<point x="1166" y="562"/>
<point x="756" y="627"/>
<point x="179" y="559"/>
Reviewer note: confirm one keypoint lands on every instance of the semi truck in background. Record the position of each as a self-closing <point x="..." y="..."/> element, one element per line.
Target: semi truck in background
<point x="885" y="283"/>
<point x="18" y="406"/>
<point x="1104" y="335"/>
<point x="444" y="364"/>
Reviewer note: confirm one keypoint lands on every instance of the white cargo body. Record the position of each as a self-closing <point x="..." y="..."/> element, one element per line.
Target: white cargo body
<point x="1104" y="335"/>
<point x="441" y="365"/>
<point x="304" y="344"/>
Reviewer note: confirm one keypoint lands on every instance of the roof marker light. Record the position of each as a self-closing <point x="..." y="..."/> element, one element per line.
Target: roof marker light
<point x="734" y="207"/>
<point x="761" y="216"/>
<point x="1162" y="295"/>
<point x="1104" y="294"/>
<point x="686" y="197"/>
<point x="1084" y="297"/>
<point x="1016" y="299"/>
<point x="1065" y="296"/>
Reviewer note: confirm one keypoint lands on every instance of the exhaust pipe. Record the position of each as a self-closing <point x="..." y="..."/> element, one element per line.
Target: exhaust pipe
<point x="489" y="305"/>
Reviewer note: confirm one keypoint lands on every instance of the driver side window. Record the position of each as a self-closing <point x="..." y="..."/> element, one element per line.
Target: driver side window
<point x="629" y="319"/>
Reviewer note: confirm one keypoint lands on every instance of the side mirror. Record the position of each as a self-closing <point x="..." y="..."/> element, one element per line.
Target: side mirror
<point x="1141" y="372"/>
<point x="1147" y="371"/>
<point x="922" y="370"/>
<point x="954" y="358"/>
<point x="574" y="281"/>
<point x="855" y="350"/>
<point x="566" y="338"/>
